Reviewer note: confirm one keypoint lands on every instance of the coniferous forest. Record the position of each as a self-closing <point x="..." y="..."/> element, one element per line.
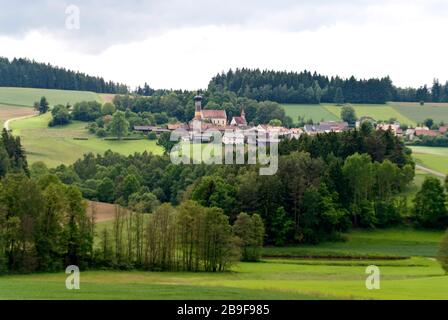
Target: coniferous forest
<point x="31" y="74"/>
<point x="313" y="88"/>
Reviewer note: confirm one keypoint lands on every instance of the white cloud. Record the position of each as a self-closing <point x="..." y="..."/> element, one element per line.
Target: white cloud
<point x="405" y="41"/>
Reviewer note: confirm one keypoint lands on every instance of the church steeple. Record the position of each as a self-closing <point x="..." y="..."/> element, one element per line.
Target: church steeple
<point x="198" y="107"/>
<point x="243" y="114"/>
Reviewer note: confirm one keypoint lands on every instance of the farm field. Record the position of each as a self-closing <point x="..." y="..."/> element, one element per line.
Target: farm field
<point x="27" y="96"/>
<point x="436" y="111"/>
<point x="309" y="111"/>
<point x="274" y="278"/>
<point x="434" y="158"/>
<point x="378" y="112"/>
<point x="392" y="243"/>
<point x="55" y="146"/>
<point x="8" y="112"/>
<point x="406" y="113"/>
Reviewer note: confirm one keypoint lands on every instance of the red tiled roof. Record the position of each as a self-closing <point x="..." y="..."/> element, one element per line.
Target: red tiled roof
<point x="214" y="114"/>
<point x="239" y="120"/>
<point x="431" y="133"/>
<point x="443" y="129"/>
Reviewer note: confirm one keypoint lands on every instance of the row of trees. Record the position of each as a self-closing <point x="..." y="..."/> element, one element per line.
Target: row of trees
<point x="436" y="93"/>
<point x="44" y="227"/>
<point x="189" y="237"/>
<point x="31" y="74"/>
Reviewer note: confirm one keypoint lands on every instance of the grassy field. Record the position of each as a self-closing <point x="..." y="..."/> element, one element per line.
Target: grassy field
<point x="56" y="146"/>
<point x="432" y="157"/>
<point x="406" y="113"/>
<point x="436" y="111"/>
<point x="378" y="112"/>
<point x="392" y="243"/>
<point x="309" y="111"/>
<point x="27" y="96"/>
<point x="419" y="277"/>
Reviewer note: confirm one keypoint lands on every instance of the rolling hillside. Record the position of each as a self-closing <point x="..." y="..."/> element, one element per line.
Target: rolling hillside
<point x="406" y="113"/>
<point x="59" y="145"/>
<point x="27" y="96"/>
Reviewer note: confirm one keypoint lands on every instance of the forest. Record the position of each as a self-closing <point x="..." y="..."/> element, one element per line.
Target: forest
<point x="313" y="88"/>
<point x="277" y="86"/>
<point x="30" y="74"/>
<point x="44" y="226"/>
<point x="325" y="184"/>
<point x="205" y="218"/>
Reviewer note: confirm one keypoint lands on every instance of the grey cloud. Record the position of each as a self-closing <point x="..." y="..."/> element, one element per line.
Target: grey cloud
<point x="104" y="23"/>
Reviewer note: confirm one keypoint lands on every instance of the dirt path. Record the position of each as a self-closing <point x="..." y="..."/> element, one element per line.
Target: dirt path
<point x="7" y="122"/>
<point x="436" y="173"/>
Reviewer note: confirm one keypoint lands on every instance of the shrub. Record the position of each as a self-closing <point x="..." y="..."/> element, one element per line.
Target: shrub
<point x="92" y="127"/>
<point x="101" y="133"/>
<point x="61" y="116"/>
<point x="152" y="136"/>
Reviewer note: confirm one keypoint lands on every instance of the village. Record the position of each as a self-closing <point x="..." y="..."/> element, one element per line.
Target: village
<point x="237" y="130"/>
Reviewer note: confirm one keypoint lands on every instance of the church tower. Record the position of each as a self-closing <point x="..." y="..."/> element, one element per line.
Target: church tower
<point x="198" y="107"/>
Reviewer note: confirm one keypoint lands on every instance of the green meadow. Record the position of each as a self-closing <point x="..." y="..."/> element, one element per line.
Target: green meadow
<point x="315" y="112"/>
<point x="434" y="158"/>
<point x="436" y="111"/>
<point x="406" y="113"/>
<point x="280" y="276"/>
<point x="27" y="96"/>
<point x="377" y="112"/>
<point x="60" y="145"/>
<point x="390" y="243"/>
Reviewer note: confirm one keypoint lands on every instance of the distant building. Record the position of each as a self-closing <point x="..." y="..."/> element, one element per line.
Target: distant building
<point x="395" y="128"/>
<point x="430" y="133"/>
<point x="325" y="127"/>
<point x="239" y="121"/>
<point x="148" y="129"/>
<point x="336" y="126"/>
<point x="443" y="129"/>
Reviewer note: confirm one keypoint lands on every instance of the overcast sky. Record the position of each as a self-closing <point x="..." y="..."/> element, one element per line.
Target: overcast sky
<point x="183" y="43"/>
